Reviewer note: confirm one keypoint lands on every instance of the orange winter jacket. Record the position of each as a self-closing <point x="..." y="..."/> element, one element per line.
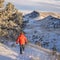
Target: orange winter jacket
<point x="21" y="39"/>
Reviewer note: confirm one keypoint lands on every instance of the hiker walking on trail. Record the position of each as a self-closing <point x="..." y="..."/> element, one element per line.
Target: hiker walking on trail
<point x="22" y="40"/>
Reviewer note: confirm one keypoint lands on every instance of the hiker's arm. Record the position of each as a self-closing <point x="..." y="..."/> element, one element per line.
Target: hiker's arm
<point x="26" y="41"/>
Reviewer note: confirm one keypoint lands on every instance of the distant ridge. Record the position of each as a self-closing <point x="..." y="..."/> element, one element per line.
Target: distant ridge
<point x="33" y="14"/>
<point x="45" y="14"/>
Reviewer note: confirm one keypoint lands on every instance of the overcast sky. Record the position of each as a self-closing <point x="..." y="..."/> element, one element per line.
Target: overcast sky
<point x="42" y="5"/>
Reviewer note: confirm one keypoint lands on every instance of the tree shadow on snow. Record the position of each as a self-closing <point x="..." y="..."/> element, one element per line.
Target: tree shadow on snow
<point x="5" y="58"/>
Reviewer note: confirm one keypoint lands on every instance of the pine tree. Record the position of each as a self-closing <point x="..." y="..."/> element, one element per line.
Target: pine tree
<point x="1" y="3"/>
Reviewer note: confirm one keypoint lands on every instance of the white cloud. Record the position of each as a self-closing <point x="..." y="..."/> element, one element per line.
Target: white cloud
<point x="20" y="2"/>
<point x="29" y="2"/>
<point x="51" y="5"/>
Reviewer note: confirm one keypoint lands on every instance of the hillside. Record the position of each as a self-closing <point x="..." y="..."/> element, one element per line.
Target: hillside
<point x="44" y="32"/>
<point x="42" y="14"/>
<point x="31" y="53"/>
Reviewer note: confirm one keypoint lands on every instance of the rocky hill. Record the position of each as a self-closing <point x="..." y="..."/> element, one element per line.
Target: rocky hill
<point x="50" y="22"/>
<point x="39" y="15"/>
<point x="45" y="14"/>
<point x="44" y="32"/>
<point x="33" y="14"/>
<point x="10" y="22"/>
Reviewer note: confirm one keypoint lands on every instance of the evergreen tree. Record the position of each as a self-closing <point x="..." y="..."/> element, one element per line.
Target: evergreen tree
<point x="1" y="3"/>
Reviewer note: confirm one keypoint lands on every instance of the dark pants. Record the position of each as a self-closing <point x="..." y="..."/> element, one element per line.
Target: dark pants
<point x="22" y="47"/>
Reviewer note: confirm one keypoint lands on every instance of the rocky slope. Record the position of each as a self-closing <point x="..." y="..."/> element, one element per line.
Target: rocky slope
<point x="44" y="32"/>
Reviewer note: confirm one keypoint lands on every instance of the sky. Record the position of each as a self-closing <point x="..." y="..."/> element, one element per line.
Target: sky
<point x="42" y="5"/>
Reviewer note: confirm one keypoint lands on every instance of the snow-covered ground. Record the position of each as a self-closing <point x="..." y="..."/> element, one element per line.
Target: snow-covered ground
<point x="31" y="53"/>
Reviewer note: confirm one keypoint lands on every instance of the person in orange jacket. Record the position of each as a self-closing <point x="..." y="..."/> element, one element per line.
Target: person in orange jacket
<point x="22" y="40"/>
